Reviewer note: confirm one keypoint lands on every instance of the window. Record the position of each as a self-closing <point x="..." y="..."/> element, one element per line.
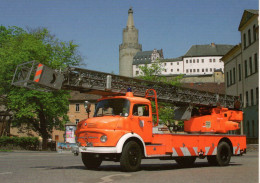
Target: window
<point x="227" y="79"/>
<point x="198" y="70"/>
<point x="234" y="75"/>
<point x="165" y="70"/>
<point x="190" y="70"/>
<point x="141" y="110"/>
<point x="194" y="70"/>
<point x="254" y="33"/>
<point x="249" y="36"/>
<point x="245" y="68"/>
<point x="214" y="60"/>
<point x="171" y="70"/>
<point x="56" y="137"/>
<point x="77" y="121"/>
<point x="206" y="70"/>
<point x="230" y="77"/>
<point x="210" y="60"/>
<point x="250" y="65"/>
<point x="257" y="95"/>
<point x="202" y="60"/>
<point x="256" y="63"/>
<point x="247" y="99"/>
<point x="198" y="61"/>
<point x="77" y="107"/>
<point x="177" y="63"/>
<point x="178" y="70"/>
<point x="252" y="97"/>
<point x="244" y="36"/>
<point x="193" y="60"/>
<point x="210" y="69"/>
<point x="187" y="70"/>
<point x="190" y="61"/>
<point x="187" y="61"/>
<point x="239" y="72"/>
<point x="165" y="64"/>
<point x="171" y="63"/>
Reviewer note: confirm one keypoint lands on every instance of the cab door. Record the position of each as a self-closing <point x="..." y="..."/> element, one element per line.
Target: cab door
<point x="142" y="123"/>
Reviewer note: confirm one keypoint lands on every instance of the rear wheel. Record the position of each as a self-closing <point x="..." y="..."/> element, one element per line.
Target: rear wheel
<point x="223" y="154"/>
<point x="131" y="157"/>
<point x="91" y="161"/>
<point x="185" y="161"/>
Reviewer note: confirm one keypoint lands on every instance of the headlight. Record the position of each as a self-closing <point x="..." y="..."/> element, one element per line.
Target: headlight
<point x="103" y="138"/>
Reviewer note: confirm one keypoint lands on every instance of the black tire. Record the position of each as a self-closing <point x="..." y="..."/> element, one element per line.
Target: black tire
<point x="91" y="161"/>
<point x="185" y="161"/>
<point x="131" y="156"/>
<point x="212" y="160"/>
<point x="223" y="154"/>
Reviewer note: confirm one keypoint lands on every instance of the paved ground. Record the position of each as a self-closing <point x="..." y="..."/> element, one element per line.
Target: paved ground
<point x="42" y="167"/>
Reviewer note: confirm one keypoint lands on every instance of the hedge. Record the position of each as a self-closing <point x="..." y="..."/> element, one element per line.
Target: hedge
<point x="27" y="143"/>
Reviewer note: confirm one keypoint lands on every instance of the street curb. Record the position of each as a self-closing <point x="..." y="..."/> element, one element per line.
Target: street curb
<point x="252" y="147"/>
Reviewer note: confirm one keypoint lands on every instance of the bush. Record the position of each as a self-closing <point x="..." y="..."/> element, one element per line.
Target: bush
<point x="27" y="143"/>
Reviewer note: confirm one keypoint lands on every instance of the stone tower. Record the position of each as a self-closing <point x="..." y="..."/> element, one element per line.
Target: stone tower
<point x="129" y="47"/>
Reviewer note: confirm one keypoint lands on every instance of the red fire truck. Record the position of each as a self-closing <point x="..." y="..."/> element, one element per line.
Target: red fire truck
<point x="124" y="127"/>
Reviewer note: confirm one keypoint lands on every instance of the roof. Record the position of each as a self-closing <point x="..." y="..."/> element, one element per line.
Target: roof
<point x="247" y="15"/>
<point x="231" y="52"/>
<point x="208" y="50"/>
<point x="77" y="96"/>
<point x="144" y="57"/>
<point x="171" y="59"/>
<point x="208" y="87"/>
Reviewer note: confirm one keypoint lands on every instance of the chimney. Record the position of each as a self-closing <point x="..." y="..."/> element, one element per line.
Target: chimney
<point x="213" y="44"/>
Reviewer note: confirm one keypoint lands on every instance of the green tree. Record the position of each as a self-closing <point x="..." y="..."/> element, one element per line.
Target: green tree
<point x="40" y="111"/>
<point x="153" y="72"/>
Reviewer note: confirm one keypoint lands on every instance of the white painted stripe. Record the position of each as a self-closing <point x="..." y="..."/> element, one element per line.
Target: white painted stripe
<point x="174" y="153"/>
<point x="185" y="151"/>
<point x="207" y="150"/>
<point x="215" y="151"/>
<point x="5" y="173"/>
<point x="109" y="177"/>
<point x="195" y="150"/>
<point x="238" y="152"/>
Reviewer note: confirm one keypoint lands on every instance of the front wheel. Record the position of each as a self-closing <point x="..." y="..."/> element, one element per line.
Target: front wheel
<point x="90" y="160"/>
<point x="131" y="157"/>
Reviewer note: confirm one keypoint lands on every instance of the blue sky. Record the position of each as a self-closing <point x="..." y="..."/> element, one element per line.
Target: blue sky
<point x="96" y="25"/>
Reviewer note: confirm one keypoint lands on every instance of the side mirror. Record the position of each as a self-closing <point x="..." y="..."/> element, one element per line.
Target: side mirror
<point x="87" y="105"/>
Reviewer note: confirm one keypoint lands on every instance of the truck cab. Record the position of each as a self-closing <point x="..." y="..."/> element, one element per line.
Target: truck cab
<point x="113" y="118"/>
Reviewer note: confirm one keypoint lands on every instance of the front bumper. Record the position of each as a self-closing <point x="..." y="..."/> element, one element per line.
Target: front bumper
<point x="98" y="149"/>
<point x="76" y="150"/>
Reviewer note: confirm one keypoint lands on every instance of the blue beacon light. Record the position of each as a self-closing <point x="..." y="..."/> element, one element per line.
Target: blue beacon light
<point x="129" y="89"/>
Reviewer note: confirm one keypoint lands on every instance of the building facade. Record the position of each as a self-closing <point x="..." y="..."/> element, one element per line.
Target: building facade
<point x="199" y="60"/>
<point x="241" y="70"/>
<point x="129" y="47"/>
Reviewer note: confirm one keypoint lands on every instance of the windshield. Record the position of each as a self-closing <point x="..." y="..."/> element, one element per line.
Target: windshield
<point x="111" y="107"/>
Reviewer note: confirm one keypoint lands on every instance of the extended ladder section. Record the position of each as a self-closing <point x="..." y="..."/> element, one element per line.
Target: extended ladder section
<point x="38" y="76"/>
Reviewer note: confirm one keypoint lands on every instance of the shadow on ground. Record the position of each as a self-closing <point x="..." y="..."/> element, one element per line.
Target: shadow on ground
<point x="144" y="167"/>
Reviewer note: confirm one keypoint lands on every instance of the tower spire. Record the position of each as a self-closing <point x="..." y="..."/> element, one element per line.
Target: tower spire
<point x="130" y="21"/>
<point x="129" y="47"/>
